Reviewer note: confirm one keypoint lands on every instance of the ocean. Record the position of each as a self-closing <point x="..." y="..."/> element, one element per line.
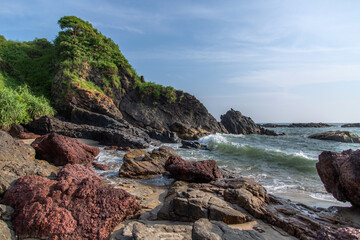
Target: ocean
<point x="284" y="165"/>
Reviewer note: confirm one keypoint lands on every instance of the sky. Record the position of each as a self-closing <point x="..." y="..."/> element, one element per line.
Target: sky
<point x="272" y="60"/>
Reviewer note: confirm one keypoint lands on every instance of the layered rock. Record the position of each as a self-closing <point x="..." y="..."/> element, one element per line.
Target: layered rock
<point x="340" y="174"/>
<point x="339" y="136"/>
<point x="75" y="206"/>
<point x="201" y="171"/>
<point x="60" y="150"/>
<point x="17" y="160"/>
<point x="140" y="164"/>
<point x="236" y="123"/>
<point x="348" y="233"/>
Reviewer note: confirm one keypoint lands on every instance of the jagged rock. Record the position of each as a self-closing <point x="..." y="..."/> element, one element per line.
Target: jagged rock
<point x="164" y="136"/>
<point x="18" y="159"/>
<point x="348" y="233"/>
<point x="6" y="212"/>
<point x="236" y="123"/>
<point x="100" y="166"/>
<point x="121" y="135"/>
<point x="140" y="164"/>
<point x="191" y="144"/>
<point x="215" y="230"/>
<point x="340" y="174"/>
<point x="18" y="131"/>
<point x="193" y="204"/>
<point x="201" y="171"/>
<point x="339" y="136"/>
<point x="61" y="150"/>
<point x="6" y="232"/>
<point x="351" y="125"/>
<point x="76" y="206"/>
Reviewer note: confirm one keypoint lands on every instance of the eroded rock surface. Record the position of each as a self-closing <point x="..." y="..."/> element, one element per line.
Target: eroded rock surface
<point x="75" y="206"/>
<point x="18" y="131"/>
<point x="339" y="136"/>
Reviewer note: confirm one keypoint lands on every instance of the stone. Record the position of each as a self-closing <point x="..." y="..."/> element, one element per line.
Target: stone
<point x="340" y="173"/>
<point x="75" y="206"/>
<point x="140" y="164"/>
<point x="348" y="233"/>
<point x="6" y="212"/>
<point x="18" y="159"/>
<point x="18" y="131"/>
<point x="192" y="145"/>
<point x="61" y="150"/>
<point x="100" y="166"/>
<point x="164" y="136"/>
<point x="339" y="136"/>
<point x="215" y="230"/>
<point x="351" y="125"/>
<point x="117" y="148"/>
<point x="201" y="171"/>
<point x="6" y="232"/>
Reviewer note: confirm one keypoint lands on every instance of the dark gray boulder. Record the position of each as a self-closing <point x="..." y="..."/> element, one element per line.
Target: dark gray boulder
<point x="339" y="136"/>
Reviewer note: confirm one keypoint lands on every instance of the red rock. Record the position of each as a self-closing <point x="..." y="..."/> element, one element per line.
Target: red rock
<point x="340" y="173"/>
<point x="201" y="171"/>
<point x="348" y="233"/>
<point x="18" y="131"/>
<point x="60" y="150"/>
<point x="75" y="206"/>
<point x="100" y="166"/>
<point x="111" y="148"/>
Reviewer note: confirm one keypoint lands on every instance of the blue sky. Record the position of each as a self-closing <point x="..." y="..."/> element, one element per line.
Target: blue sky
<point x="275" y="61"/>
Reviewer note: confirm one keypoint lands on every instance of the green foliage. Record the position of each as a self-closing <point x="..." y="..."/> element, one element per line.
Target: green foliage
<point x="151" y="89"/>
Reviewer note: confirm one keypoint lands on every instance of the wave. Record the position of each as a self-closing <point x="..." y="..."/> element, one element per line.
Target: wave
<point x="257" y="155"/>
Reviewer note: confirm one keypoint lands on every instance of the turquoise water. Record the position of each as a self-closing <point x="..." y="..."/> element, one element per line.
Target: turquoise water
<point x="284" y="165"/>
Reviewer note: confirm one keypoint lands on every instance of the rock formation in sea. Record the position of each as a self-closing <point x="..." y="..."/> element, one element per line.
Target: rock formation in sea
<point x="339" y="136"/>
<point x="297" y="125"/>
<point x="351" y="125"/>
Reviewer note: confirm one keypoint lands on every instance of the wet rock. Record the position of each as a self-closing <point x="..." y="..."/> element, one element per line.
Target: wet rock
<point x="119" y="134"/>
<point x="193" y="204"/>
<point x="339" y="136"/>
<point x="192" y="145"/>
<point x="75" y="206"/>
<point x="201" y="171"/>
<point x="215" y="230"/>
<point x="140" y="164"/>
<point x="18" y="159"/>
<point x="18" y="131"/>
<point x="116" y="148"/>
<point x="100" y="166"/>
<point x="351" y="125"/>
<point x="236" y="123"/>
<point x="340" y="174"/>
<point x="164" y="136"/>
<point x="61" y="150"/>
<point x="338" y="234"/>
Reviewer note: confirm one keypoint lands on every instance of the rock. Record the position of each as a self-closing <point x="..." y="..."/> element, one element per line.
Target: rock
<point x="193" y="204"/>
<point x="6" y="232"/>
<point x="75" y="206"/>
<point x="340" y="174"/>
<point x="18" y="159"/>
<point x="6" y="212"/>
<point x="297" y="125"/>
<point x="191" y="144"/>
<point x="348" y="233"/>
<point x="201" y="171"/>
<point x="61" y="150"/>
<point x="120" y="134"/>
<point x="18" y="131"/>
<point x="215" y="230"/>
<point x="100" y="166"/>
<point x="351" y="125"/>
<point x="116" y="148"/>
<point x="236" y="123"/>
<point x="164" y="136"/>
<point x="339" y="136"/>
<point x="140" y="164"/>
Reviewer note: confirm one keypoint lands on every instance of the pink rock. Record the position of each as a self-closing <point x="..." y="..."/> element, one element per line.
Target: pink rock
<point x="201" y="171"/>
<point x="61" y="150"/>
<point x="75" y="206"/>
<point x="100" y="166"/>
<point x="348" y="233"/>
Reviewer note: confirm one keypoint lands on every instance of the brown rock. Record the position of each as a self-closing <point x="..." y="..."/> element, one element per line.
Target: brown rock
<point x="100" y="166"/>
<point x="61" y="150"/>
<point x="348" y="233"/>
<point x="340" y="173"/>
<point x="201" y="171"/>
<point x="18" y="131"/>
<point x="76" y="206"/>
<point x="339" y="136"/>
<point x="118" y="148"/>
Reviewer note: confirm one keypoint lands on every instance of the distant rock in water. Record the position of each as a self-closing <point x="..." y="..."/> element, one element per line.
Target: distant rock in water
<point x="297" y="125"/>
<point x="340" y="174"/>
<point x="339" y="136"/>
<point x="236" y="123"/>
<point x="351" y="125"/>
<point x="193" y="145"/>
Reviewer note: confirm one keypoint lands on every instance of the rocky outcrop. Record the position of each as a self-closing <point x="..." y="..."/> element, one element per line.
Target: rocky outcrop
<point x="18" y="131"/>
<point x="17" y="160"/>
<point x="118" y="134"/>
<point x="201" y="171"/>
<point x="339" y="136"/>
<point x="192" y="145"/>
<point x="75" y="206"/>
<point x="236" y="123"/>
<point x="60" y="150"/>
<point x="297" y="125"/>
<point x="140" y="164"/>
<point x="348" y="233"/>
<point x="351" y="125"/>
<point x="340" y="174"/>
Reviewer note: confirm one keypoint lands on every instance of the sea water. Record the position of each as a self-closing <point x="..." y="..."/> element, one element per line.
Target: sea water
<point x="284" y="165"/>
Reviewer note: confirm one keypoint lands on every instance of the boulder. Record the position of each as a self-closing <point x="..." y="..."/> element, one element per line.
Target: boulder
<point x="348" y="233"/>
<point x="339" y="136"/>
<point x="164" y="136"/>
<point x="140" y="164"/>
<point x="17" y="160"/>
<point x="6" y="232"/>
<point x="61" y="150"/>
<point x="18" y="131"/>
<point x="215" y="230"/>
<point x="351" y="125"/>
<point x="201" y="171"/>
<point x="192" y="145"/>
<point x="340" y="173"/>
<point x="75" y="206"/>
<point x="236" y="123"/>
<point x="116" y="148"/>
<point x="100" y="166"/>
